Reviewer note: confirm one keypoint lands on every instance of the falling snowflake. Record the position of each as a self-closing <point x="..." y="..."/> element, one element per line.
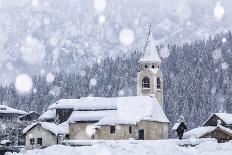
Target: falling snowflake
<point x="53" y="41"/>
<point x="100" y="5"/>
<point x="9" y="66"/>
<point x="35" y="2"/>
<point x="50" y="77"/>
<point x="164" y="52"/>
<point x="93" y="82"/>
<point x="90" y="130"/>
<point x="219" y="11"/>
<point x="225" y="66"/>
<point x="23" y="83"/>
<point x="217" y="54"/>
<point x="32" y="50"/>
<point x="121" y="93"/>
<point x="102" y="19"/>
<point x="126" y="36"/>
<point x="224" y="40"/>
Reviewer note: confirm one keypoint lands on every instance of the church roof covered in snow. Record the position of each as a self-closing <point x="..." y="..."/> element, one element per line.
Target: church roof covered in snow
<point x="85" y="103"/>
<point x="88" y="116"/>
<point x="8" y="110"/>
<point x="52" y="127"/>
<point x="131" y="110"/>
<point x="150" y="54"/>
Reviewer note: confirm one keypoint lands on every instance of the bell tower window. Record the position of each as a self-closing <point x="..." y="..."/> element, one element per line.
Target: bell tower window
<point x="145" y="66"/>
<point x="158" y="83"/>
<point x="153" y="66"/>
<point x="146" y="83"/>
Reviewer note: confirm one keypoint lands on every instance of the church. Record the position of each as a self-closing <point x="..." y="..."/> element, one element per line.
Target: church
<point x="138" y="117"/>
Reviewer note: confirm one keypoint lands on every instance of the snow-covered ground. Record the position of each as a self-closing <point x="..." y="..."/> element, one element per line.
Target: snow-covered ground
<point x="159" y="147"/>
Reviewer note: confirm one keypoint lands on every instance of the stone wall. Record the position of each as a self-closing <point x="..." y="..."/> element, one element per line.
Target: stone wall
<point x="80" y="131"/>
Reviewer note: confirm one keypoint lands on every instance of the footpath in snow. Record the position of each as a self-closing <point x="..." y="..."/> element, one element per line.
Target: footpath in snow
<point x="159" y="147"/>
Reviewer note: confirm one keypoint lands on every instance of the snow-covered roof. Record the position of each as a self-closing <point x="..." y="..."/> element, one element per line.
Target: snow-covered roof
<point x="150" y="54"/>
<point x="198" y="132"/>
<point x="8" y="110"/>
<point x="85" y="103"/>
<point x="201" y="131"/>
<point x="227" y="118"/>
<point x="49" y="114"/>
<point x="131" y="110"/>
<point x="89" y="115"/>
<point x="52" y="127"/>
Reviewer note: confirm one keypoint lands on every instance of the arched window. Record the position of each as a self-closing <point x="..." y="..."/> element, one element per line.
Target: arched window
<point x="158" y="83"/>
<point x="145" y="66"/>
<point x="146" y="82"/>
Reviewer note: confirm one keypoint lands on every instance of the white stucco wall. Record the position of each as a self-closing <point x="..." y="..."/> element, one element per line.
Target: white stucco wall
<point x="48" y="138"/>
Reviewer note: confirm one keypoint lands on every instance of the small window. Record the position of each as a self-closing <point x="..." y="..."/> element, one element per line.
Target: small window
<point x="153" y="66"/>
<point x="130" y="129"/>
<point x="112" y="129"/>
<point x="158" y="83"/>
<point x="145" y="66"/>
<point x="39" y="141"/>
<point x="146" y="82"/>
<point x="32" y="141"/>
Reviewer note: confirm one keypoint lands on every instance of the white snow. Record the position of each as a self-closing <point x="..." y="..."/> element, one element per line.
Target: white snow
<point x="23" y="83"/>
<point x="132" y="147"/>
<point x="144" y="108"/>
<point x="85" y="103"/>
<point x="217" y="54"/>
<point x="126" y="36"/>
<point x="198" y="132"/>
<point x="102" y="19"/>
<point x="219" y="11"/>
<point x="4" y="142"/>
<point x="93" y="82"/>
<point x="225" y="66"/>
<point x="53" y="41"/>
<point x="50" y="77"/>
<point x="5" y="109"/>
<point x="224" y="40"/>
<point x="164" y="52"/>
<point x="52" y="127"/>
<point x="34" y="2"/>
<point x="150" y="53"/>
<point x="176" y="125"/>
<point x="99" y="5"/>
<point x="49" y="114"/>
<point x="227" y="118"/>
<point x="89" y="115"/>
<point x="32" y="50"/>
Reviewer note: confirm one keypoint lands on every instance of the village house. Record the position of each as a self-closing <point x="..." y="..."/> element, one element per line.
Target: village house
<point x="10" y="115"/>
<point x="44" y="134"/>
<point x="217" y="126"/>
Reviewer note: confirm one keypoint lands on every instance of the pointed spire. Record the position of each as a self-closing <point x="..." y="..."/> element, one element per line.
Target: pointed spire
<point x="150" y="54"/>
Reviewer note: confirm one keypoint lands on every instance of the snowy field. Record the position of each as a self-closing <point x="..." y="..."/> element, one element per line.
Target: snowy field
<point x="159" y="147"/>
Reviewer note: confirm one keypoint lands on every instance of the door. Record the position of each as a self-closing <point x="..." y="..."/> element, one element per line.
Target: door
<point x="141" y="134"/>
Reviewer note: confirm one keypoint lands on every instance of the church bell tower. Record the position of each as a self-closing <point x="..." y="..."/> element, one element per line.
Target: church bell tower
<point x="150" y="77"/>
